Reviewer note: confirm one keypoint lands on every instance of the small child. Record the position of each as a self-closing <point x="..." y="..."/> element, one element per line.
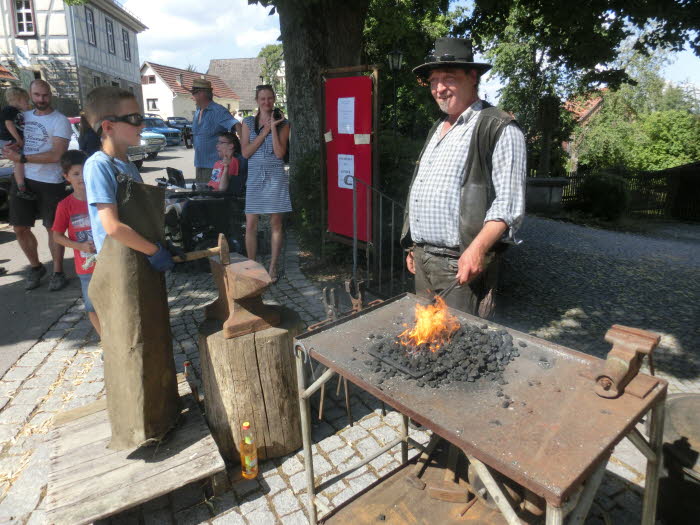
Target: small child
<point x="12" y="132"/>
<point x="227" y="147"/>
<point x="72" y="215"/>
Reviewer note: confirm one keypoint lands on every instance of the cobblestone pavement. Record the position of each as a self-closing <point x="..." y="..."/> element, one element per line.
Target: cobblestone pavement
<point x="588" y="279"/>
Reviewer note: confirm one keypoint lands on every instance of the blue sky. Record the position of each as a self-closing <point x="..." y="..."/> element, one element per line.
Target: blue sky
<point x="183" y="32"/>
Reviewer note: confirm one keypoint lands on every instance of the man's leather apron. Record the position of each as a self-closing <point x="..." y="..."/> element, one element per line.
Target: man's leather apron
<point x="131" y="301"/>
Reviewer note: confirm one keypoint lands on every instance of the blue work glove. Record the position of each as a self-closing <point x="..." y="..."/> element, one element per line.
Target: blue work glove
<point x="161" y="261"/>
<point x="174" y="249"/>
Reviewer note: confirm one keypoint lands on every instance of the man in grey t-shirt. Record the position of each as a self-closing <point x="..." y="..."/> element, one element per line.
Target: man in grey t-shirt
<point x="46" y="136"/>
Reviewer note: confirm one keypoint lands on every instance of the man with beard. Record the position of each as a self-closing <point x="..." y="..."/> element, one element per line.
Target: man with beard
<point x="467" y="197"/>
<point x="46" y="136"/>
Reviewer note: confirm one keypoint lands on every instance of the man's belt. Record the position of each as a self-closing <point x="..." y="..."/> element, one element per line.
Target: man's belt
<point x="440" y="250"/>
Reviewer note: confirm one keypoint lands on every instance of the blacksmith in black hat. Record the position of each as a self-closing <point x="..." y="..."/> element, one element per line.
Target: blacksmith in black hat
<point x="467" y="197"/>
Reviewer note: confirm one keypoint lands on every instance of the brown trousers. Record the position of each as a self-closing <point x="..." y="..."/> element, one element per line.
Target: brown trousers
<point x="434" y="273"/>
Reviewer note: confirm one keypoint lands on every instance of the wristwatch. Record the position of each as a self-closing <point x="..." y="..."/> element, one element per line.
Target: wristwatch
<point x="22" y="158"/>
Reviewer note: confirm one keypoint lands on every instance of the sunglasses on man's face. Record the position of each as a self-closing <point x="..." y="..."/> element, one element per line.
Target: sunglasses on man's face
<point x="133" y="119"/>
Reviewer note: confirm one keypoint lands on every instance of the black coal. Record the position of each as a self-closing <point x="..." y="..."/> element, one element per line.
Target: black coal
<point x="474" y="353"/>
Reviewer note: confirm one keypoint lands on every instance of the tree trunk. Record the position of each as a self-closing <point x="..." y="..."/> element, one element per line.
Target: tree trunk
<point x="252" y="378"/>
<point x="316" y="35"/>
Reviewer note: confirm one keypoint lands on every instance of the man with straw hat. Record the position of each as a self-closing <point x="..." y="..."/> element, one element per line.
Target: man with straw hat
<point x="209" y="120"/>
<point x="467" y="196"/>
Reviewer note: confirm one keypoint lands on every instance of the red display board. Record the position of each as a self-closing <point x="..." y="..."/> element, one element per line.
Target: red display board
<point x="348" y="128"/>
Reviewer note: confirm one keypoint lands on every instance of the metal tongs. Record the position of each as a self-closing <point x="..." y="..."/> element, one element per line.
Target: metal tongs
<point x="447" y="290"/>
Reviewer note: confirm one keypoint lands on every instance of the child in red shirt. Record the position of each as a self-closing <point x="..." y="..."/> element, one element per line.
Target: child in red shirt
<point x="228" y="146"/>
<point x="72" y="215"/>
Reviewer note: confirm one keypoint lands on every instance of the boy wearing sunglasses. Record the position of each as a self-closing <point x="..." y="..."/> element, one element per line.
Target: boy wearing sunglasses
<point x="115" y="116"/>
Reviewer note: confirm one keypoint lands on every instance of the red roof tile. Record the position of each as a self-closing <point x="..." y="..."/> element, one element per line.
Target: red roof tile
<point x="171" y="76"/>
<point x="5" y="74"/>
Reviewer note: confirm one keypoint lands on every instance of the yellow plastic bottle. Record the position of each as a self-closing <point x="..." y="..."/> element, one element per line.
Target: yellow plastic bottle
<point x="249" y="453"/>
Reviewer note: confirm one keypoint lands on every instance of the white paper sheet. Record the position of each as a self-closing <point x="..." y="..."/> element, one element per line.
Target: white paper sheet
<point x="346" y="166"/>
<point x="346" y="115"/>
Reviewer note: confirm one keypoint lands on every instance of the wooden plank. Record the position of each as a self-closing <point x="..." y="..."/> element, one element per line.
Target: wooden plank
<point x="88" y="481"/>
<point x="64" y="418"/>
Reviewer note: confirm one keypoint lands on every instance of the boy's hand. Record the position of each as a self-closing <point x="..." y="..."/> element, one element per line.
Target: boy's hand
<point x="161" y="261"/>
<point x="20" y="143"/>
<point x="87" y="247"/>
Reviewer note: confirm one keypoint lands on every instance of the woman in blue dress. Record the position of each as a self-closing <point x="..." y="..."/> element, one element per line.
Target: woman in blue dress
<point x="264" y="142"/>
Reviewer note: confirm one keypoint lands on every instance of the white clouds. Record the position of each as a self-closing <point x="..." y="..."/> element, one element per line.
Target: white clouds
<point x="182" y="32"/>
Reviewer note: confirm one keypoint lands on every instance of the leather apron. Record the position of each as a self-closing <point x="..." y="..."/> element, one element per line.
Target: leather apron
<point x="131" y="301"/>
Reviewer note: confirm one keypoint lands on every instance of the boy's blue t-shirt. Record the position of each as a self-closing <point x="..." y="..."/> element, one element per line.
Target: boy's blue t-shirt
<point x="101" y="188"/>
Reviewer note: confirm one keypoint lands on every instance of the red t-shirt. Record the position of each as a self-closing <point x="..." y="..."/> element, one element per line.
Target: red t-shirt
<point x="72" y="215"/>
<point x="215" y="180"/>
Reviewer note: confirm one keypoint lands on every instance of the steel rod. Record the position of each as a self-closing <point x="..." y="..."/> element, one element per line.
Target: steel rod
<point x="651" y="483"/>
<point x="380" y="246"/>
<point x="354" y="227"/>
<point x="496" y="493"/>
<point x="391" y="261"/>
<point x="638" y="441"/>
<point x="304" y="410"/>
<point x="347" y="401"/>
<point x="404" y="439"/>
<point x="368" y="207"/>
<point x="306" y="394"/>
<point x="320" y="403"/>
<point x="580" y="511"/>
<point x="323" y="486"/>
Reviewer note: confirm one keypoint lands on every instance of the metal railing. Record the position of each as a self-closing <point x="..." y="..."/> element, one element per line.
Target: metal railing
<point x="376" y="272"/>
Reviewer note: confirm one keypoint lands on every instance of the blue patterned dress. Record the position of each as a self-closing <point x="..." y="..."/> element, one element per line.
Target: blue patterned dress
<point x="268" y="182"/>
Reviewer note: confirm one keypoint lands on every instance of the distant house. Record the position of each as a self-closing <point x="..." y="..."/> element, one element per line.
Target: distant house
<point x="167" y="91"/>
<point x="582" y="110"/>
<point x="74" y="48"/>
<point x="242" y="74"/>
<point x="7" y="78"/>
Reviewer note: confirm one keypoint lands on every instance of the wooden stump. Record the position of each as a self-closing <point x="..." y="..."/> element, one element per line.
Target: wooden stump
<point x="252" y="378"/>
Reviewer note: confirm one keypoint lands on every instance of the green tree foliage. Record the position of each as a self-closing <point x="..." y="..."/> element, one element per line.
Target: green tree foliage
<point x="644" y="125"/>
<point x="410" y="26"/>
<point x="274" y="56"/>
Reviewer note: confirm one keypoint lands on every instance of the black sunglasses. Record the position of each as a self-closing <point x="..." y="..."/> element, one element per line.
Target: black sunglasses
<point x="263" y="86"/>
<point x="133" y="119"/>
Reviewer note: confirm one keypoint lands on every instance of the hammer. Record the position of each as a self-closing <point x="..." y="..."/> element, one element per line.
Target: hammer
<point x="221" y="249"/>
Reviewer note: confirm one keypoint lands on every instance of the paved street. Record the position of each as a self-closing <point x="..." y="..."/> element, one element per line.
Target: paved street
<point x="564" y="283"/>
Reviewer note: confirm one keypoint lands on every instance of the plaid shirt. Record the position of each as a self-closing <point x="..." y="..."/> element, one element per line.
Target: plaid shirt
<point x="435" y="195"/>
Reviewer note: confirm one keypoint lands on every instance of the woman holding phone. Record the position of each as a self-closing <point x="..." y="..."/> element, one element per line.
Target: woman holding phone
<point x="264" y="141"/>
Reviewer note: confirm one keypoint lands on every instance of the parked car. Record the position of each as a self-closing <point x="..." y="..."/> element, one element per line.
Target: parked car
<point x="151" y="144"/>
<point x="185" y="127"/>
<point x="157" y="125"/>
<point x="6" y="170"/>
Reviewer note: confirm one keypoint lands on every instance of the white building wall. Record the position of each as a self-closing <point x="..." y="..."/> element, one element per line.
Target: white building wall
<point x="184" y="106"/>
<point x="159" y="91"/>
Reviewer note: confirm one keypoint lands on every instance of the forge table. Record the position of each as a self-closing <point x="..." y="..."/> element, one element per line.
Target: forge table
<point x="555" y="439"/>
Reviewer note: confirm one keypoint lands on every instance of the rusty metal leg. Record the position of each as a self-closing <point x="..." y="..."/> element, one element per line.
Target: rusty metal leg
<point x="347" y="400"/>
<point x="651" y="484"/>
<point x="497" y="494"/>
<point x="383" y="409"/>
<point x="320" y="402"/>
<point x="404" y="437"/>
<point x="306" y="438"/>
<point x="579" y="513"/>
<point x="555" y="515"/>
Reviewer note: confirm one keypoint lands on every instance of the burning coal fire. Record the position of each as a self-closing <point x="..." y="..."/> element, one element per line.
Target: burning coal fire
<point x="434" y="327"/>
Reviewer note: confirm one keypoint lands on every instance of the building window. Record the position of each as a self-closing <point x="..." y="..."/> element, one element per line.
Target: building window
<point x="37" y="75"/>
<point x="90" y="22"/>
<point x="151" y="79"/>
<point x="152" y="104"/>
<point x="96" y="81"/>
<point x="24" y="18"/>
<point x="131" y="89"/>
<point x="110" y="36"/>
<point x="115" y="84"/>
<point x="127" y="46"/>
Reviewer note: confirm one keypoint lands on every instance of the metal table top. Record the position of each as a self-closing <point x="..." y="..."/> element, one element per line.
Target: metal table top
<point x="556" y="431"/>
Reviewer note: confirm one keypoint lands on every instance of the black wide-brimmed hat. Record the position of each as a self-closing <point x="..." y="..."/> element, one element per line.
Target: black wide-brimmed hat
<point x="451" y="52"/>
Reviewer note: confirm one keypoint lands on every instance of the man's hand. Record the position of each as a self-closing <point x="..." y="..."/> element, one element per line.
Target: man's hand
<point x="411" y="263"/>
<point x="470" y="264"/>
<point x="87" y="247"/>
<point x="11" y="152"/>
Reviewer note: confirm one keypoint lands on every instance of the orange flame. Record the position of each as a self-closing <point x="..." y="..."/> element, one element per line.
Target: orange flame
<point x="434" y="327"/>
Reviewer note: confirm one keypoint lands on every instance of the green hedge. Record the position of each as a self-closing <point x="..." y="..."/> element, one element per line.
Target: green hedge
<point x="603" y="195"/>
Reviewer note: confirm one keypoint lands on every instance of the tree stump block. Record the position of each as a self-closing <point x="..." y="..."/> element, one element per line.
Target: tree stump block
<point x="252" y="378"/>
